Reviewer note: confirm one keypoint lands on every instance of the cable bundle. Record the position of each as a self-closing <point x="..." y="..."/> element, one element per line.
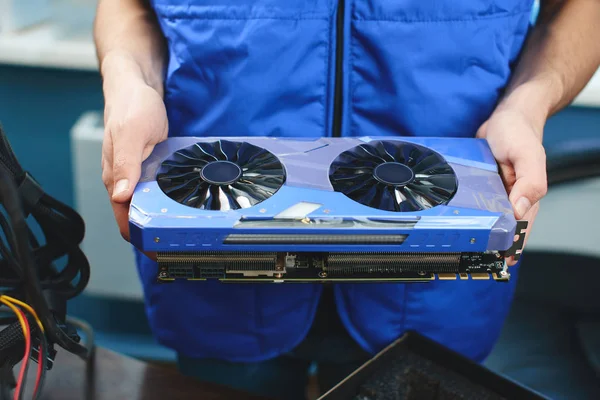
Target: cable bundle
<point x="31" y="286"/>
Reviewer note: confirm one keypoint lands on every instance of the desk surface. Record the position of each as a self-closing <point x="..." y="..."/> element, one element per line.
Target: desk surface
<point x="119" y="377"/>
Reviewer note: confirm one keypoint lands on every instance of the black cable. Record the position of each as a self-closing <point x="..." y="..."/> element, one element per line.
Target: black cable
<point x="63" y="229"/>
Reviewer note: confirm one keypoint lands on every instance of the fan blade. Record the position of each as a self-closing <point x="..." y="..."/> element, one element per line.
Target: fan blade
<point x="186" y="197"/>
<point x="357" y="176"/>
<point x="351" y="159"/>
<point x="268" y="164"/>
<point x="230" y="149"/>
<point x="233" y="203"/>
<point x="444" y="181"/>
<point x="359" y="187"/>
<point x="244" y="199"/>
<point x="411" y="155"/>
<point x="248" y="153"/>
<point x="371" y="152"/>
<point x="399" y="198"/>
<point x="387" y="201"/>
<point x="190" y="174"/>
<point x="212" y="201"/>
<point x="383" y="153"/>
<point x="369" y="198"/>
<point x="271" y="182"/>
<point x="433" y="194"/>
<point x="258" y="160"/>
<point x="170" y="189"/>
<point x="345" y="169"/>
<point x="416" y="201"/>
<point x="188" y="155"/>
<point x="427" y="163"/>
<point x="251" y="189"/>
<point x="218" y="150"/>
<point x="175" y="164"/>
<point x="204" y="149"/>
<point x="199" y="200"/>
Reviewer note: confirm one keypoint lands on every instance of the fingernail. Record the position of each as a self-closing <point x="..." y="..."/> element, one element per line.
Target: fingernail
<point x="523" y="205"/>
<point x="121" y="186"/>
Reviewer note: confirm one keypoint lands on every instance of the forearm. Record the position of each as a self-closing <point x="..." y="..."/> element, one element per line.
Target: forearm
<point x="129" y="43"/>
<point x="560" y="56"/>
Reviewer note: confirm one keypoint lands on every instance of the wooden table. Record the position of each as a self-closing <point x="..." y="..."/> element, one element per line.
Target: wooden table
<point x="117" y="377"/>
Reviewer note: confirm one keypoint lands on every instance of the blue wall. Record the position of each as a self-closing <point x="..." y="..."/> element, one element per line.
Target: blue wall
<point x="39" y="106"/>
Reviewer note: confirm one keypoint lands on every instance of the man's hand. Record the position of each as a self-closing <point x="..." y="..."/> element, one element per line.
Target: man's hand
<point x="516" y="142"/>
<point x="560" y="56"/>
<point x="135" y="121"/>
<point x="131" y="54"/>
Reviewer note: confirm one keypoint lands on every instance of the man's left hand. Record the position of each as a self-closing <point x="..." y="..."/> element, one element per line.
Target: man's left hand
<point x="516" y="142"/>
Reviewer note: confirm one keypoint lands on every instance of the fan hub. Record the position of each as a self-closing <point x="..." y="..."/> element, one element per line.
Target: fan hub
<point x="221" y="173"/>
<point x="394" y="174"/>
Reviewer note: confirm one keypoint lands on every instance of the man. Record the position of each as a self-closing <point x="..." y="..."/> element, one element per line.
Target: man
<point x="333" y="68"/>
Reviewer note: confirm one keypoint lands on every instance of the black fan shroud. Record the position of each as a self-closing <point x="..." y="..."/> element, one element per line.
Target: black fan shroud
<point x="221" y="175"/>
<point x="394" y="176"/>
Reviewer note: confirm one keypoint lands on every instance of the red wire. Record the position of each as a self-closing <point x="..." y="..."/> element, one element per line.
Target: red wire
<point x="25" y="357"/>
<point x="39" y="370"/>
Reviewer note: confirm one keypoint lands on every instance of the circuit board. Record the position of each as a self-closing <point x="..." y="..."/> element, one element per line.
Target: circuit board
<point x="322" y="267"/>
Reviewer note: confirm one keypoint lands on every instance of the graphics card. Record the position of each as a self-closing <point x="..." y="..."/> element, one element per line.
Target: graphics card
<point x="324" y="209"/>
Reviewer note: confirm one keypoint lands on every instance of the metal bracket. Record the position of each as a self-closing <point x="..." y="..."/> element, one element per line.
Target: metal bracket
<point x="517" y="247"/>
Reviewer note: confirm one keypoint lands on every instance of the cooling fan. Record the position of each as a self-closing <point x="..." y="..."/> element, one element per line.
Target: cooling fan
<point x="393" y="176"/>
<point x="266" y="209"/>
<point x="221" y="175"/>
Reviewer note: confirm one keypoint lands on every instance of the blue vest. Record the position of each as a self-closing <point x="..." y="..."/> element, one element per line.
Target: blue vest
<point x="323" y="68"/>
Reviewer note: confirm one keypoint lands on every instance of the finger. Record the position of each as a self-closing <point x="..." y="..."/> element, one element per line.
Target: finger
<point x="531" y="181"/>
<point x="127" y="162"/>
<point x="121" y="212"/>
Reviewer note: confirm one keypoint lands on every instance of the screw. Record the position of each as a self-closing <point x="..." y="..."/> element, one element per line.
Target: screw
<point x="157" y="239"/>
<point x="262" y="210"/>
<point x="472" y="240"/>
<point x="323" y="274"/>
<point x="422" y="273"/>
<point x="146" y="190"/>
<point x="162" y="275"/>
<point x="164" y="210"/>
<point x="503" y="273"/>
<point x="456" y="212"/>
<point x="279" y="276"/>
<point x="327" y="211"/>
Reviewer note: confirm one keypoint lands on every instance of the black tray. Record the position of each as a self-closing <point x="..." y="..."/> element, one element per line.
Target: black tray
<point x="417" y="368"/>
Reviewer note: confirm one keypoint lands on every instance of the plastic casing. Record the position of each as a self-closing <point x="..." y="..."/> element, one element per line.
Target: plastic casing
<point x="478" y="218"/>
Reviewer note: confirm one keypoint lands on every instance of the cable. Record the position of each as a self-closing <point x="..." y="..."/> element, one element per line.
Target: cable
<point x="43" y="347"/>
<point x="32" y="284"/>
<point x="42" y="366"/>
<point x="28" y="270"/>
<point x="25" y="306"/>
<point x="27" y="334"/>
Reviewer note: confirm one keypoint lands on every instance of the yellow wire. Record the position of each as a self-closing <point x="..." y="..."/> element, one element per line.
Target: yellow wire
<point x="25" y="306"/>
<point x="17" y="313"/>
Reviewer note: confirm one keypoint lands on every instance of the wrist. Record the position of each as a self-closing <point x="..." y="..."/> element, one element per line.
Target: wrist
<point x="537" y="99"/>
<point x="119" y="69"/>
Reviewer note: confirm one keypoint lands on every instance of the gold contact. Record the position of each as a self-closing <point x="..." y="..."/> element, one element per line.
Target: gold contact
<point x="463" y="276"/>
<point x="446" y="277"/>
<point x="480" y="276"/>
<point x="499" y="278"/>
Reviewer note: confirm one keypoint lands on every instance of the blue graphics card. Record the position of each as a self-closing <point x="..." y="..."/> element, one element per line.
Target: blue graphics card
<point x="318" y="209"/>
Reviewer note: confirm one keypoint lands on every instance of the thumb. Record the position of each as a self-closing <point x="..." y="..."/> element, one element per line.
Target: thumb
<point x="531" y="181"/>
<point x="127" y="164"/>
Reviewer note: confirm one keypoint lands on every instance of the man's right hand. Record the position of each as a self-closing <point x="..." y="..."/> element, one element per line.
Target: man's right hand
<point x="135" y="120"/>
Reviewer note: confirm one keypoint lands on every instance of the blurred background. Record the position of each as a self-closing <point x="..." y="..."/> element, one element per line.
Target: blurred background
<point x="51" y="108"/>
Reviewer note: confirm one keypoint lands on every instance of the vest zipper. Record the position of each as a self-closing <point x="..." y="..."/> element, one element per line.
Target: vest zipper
<point x="339" y="77"/>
